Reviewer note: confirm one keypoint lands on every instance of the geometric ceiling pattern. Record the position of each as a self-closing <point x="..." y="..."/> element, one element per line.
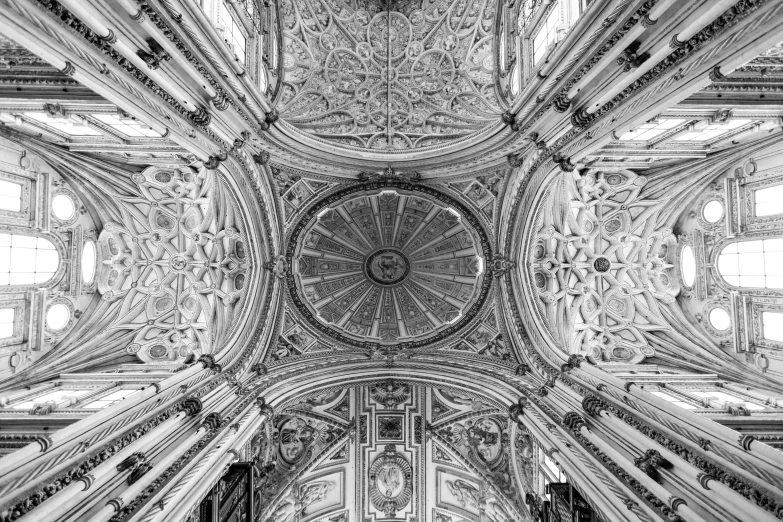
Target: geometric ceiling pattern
<point x="603" y="267"/>
<point x="388" y="267"/>
<point x="176" y="263"/>
<point x="391" y="450"/>
<point x="362" y="75"/>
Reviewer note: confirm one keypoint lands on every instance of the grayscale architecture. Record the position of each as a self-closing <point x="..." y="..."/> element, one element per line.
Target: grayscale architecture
<point x="391" y="260"/>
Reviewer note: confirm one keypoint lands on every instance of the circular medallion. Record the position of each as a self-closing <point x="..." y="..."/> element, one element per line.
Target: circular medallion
<point x="388" y="263"/>
<point x="602" y="264"/>
<point x="387" y="267"/>
<point x="178" y="263"/>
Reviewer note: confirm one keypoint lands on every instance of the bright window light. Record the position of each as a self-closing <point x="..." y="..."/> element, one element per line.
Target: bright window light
<point x="110" y="399"/>
<point x="772" y="326"/>
<point x="674" y="400"/>
<point x="129" y="126"/>
<point x="64" y="125"/>
<point x="26" y="260"/>
<point x="648" y="131"/>
<point x="7" y="316"/>
<point x="688" y="265"/>
<point x="54" y="396"/>
<point x="720" y="319"/>
<point x="88" y="262"/>
<point x="753" y="264"/>
<point x="57" y="316"/>
<point x="547" y="33"/>
<point x="769" y="201"/>
<point x="713" y="211"/>
<point x="711" y="132"/>
<point x="63" y="207"/>
<point x="10" y="196"/>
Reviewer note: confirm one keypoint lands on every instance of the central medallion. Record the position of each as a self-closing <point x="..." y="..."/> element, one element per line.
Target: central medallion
<point x="387" y="267"/>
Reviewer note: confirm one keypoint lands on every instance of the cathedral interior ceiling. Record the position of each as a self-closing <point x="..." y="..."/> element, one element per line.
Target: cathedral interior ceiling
<point x="393" y="266"/>
<point x="387" y="76"/>
<point x="392" y="449"/>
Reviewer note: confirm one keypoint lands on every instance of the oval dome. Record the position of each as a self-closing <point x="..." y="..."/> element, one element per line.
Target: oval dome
<point x="389" y="266"/>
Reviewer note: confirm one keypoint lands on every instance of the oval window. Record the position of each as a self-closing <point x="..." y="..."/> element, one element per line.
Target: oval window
<point x="719" y="319"/>
<point x="88" y="262"/>
<point x="57" y="316"/>
<point x="713" y="211"/>
<point x="63" y="207"/>
<point x="688" y="265"/>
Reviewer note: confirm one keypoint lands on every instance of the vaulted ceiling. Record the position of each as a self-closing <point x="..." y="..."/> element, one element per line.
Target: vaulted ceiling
<point x="389" y="76"/>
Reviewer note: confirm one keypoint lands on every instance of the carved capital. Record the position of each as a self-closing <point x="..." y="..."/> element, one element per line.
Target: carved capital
<point x="45" y="442"/>
<point x="564" y="163"/>
<point x="138" y="472"/>
<point x="110" y="38"/>
<point x="200" y="117"/>
<point x="192" y="406"/>
<point x="745" y="441"/>
<point x="212" y="421"/>
<point x="207" y="360"/>
<point x="675" y="42"/>
<point x="651" y="462"/>
<point x="88" y="480"/>
<point x="220" y="101"/>
<point x="593" y="405"/>
<point x="271" y="117"/>
<point x="261" y="158"/>
<point x="716" y="75"/>
<point x="561" y="103"/>
<point x="704" y="479"/>
<point x="68" y="70"/>
<point x="131" y="461"/>
<point x="573" y="421"/>
<point x="581" y="118"/>
<point x="514" y="161"/>
<point x="574" y="361"/>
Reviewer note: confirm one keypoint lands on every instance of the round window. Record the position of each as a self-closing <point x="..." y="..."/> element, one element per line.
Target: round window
<point x="713" y="211"/>
<point x="719" y="319"/>
<point x="688" y="265"/>
<point x="57" y="316"/>
<point x="88" y="262"/>
<point x="63" y="207"/>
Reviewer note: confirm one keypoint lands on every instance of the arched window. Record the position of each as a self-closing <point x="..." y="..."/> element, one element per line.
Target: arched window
<point x="753" y="264"/>
<point x="26" y="260"/>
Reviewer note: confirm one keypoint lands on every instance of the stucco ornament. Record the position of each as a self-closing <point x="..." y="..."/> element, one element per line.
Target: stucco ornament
<point x="387" y="266"/>
<point x="363" y="76"/>
<point x="603" y="266"/>
<point x="176" y="261"/>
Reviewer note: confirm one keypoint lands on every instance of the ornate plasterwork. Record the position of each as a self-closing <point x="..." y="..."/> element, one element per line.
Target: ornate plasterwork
<point x="176" y="263"/>
<point x="363" y="76"/>
<point x="602" y="266"/>
<point x="388" y="263"/>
